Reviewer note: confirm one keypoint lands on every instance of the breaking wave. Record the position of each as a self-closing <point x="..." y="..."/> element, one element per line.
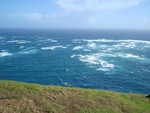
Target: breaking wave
<point x="95" y="60"/>
<point x="53" y="47"/>
<point x="1" y="37"/>
<point x="78" y="48"/>
<point x="19" y="41"/>
<point x="26" y="52"/>
<point x="5" y="53"/>
<point x="101" y="52"/>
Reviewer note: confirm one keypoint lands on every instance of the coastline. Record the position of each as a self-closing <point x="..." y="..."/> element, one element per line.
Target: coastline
<point x="34" y="98"/>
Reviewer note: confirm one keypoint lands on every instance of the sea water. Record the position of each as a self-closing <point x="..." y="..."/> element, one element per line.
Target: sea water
<point x="116" y="60"/>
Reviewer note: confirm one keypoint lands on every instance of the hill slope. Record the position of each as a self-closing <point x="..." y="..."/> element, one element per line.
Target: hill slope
<point x="16" y="97"/>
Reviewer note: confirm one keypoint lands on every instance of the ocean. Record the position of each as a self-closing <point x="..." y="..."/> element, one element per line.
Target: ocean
<point x="117" y="60"/>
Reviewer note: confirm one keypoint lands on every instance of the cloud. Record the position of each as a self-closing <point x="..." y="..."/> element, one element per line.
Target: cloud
<point x="96" y="5"/>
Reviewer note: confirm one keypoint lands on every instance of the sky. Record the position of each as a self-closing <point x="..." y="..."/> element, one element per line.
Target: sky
<point x="103" y="14"/>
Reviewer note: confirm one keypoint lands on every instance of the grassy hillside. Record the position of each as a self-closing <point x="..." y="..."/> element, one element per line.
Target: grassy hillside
<point x="18" y="97"/>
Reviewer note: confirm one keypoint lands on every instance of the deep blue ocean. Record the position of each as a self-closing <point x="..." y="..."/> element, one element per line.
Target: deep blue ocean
<point x="116" y="60"/>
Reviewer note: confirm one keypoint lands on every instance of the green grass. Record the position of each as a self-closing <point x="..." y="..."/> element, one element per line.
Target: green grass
<point x="18" y="97"/>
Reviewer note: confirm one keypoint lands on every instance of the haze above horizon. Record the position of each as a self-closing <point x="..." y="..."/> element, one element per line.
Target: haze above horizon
<point x="103" y="14"/>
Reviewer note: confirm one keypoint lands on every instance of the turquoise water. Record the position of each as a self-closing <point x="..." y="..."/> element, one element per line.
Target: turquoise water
<point x="116" y="60"/>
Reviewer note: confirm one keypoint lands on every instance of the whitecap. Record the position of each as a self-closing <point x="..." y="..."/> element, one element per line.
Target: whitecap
<point x="66" y="69"/>
<point x="64" y="83"/>
<point x="90" y="59"/>
<point x="32" y="51"/>
<point x="116" y="44"/>
<point x="1" y="37"/>
<point x="87" y="50"/>
<point x="53" y="47"/>
<point x="29" y="48"/>
<point x="4" y="53"/>
<point x="99" y="40"/>
<point x="72" y="56"/>
<point x="52" y="40"/>
<point x="108" y="41"/>
<point x="21" y="47"/>
<point x="19" y="41"/>
<point x="129" y="55"/>
<point x="78" y="48"/>
<point x="94" y="60"/>
<point x="123" y="45"/>
<point x="91" y="45"/>
<point x="102" y="69"/>
<point x="136" y="41"/>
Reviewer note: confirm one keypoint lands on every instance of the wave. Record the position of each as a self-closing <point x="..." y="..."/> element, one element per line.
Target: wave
<point x="100" y="53"/>
<point x="91" y="45"/>
<point x="1" y="37"/>
<point x="28" y="48"/>
<point x="19" y="41"/>
<point x="52" y="40"/>
<point x="4" y="53"/>
<point x="21" y="47"/>
<point x="108" y="41"/>
<point x="78" y="48"/>
<point x="87" y="50"/>
<point x="127" y="55"/>
<point x="41" y="40"/>
<point x="32" y="51"/>
<point x="53" y="47"/>
<point x="115" y="44"/>
<point x="95" y="60"/>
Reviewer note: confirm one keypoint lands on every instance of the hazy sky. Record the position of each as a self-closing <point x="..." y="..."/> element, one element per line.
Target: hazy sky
<point x="128" y="14"/>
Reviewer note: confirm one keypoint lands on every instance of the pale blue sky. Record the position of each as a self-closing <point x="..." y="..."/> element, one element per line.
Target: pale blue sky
<point x="111" y="14"/>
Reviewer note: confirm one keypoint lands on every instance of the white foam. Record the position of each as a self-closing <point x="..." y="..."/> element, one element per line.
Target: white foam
<point x="32" y="51"/>
<point x="5" y="53"/>
<point x="113" y="45"/>
<point x="65" y="83"/>
<point x="108" y="41"/>
<point x="116" y="45"/>
<point x="78" y="48"/>
<point x="103" y="54"/>
<point x="66" y="69"/>
<point x="1" y="37"/>
<point x="21" y="47"/>
<point x="98" y="40"/>
<point x="94" y="60"/>
<point x="102" y="69"/>
<point x="89" y="59"/>
<point x="128" y="55"/>
<point x="123" y="55"/>
<point x="91" y="45"/>
<point x="53" y="47"/>
<point x="146" y="46"/>
<point x="18" y="41"/>
<point x="123" y="45"/>
<point x="110" y="50"/>
<point x="136" y="41"/>
<point x="52" y="40"/>
<point x="72" y="56"/>
<point x="88" y="50"/>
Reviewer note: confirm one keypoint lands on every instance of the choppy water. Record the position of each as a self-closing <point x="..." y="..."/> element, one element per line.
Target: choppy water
<point x="102" y="59"/>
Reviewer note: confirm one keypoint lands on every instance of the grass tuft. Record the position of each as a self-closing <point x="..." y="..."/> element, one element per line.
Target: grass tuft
<point x="22" y="97"/>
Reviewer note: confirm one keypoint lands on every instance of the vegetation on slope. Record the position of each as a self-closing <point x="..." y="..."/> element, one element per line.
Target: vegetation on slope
<point x="18" y="97"/>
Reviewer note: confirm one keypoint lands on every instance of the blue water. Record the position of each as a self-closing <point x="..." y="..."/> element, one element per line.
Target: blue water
<point x="116" y="60"/>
